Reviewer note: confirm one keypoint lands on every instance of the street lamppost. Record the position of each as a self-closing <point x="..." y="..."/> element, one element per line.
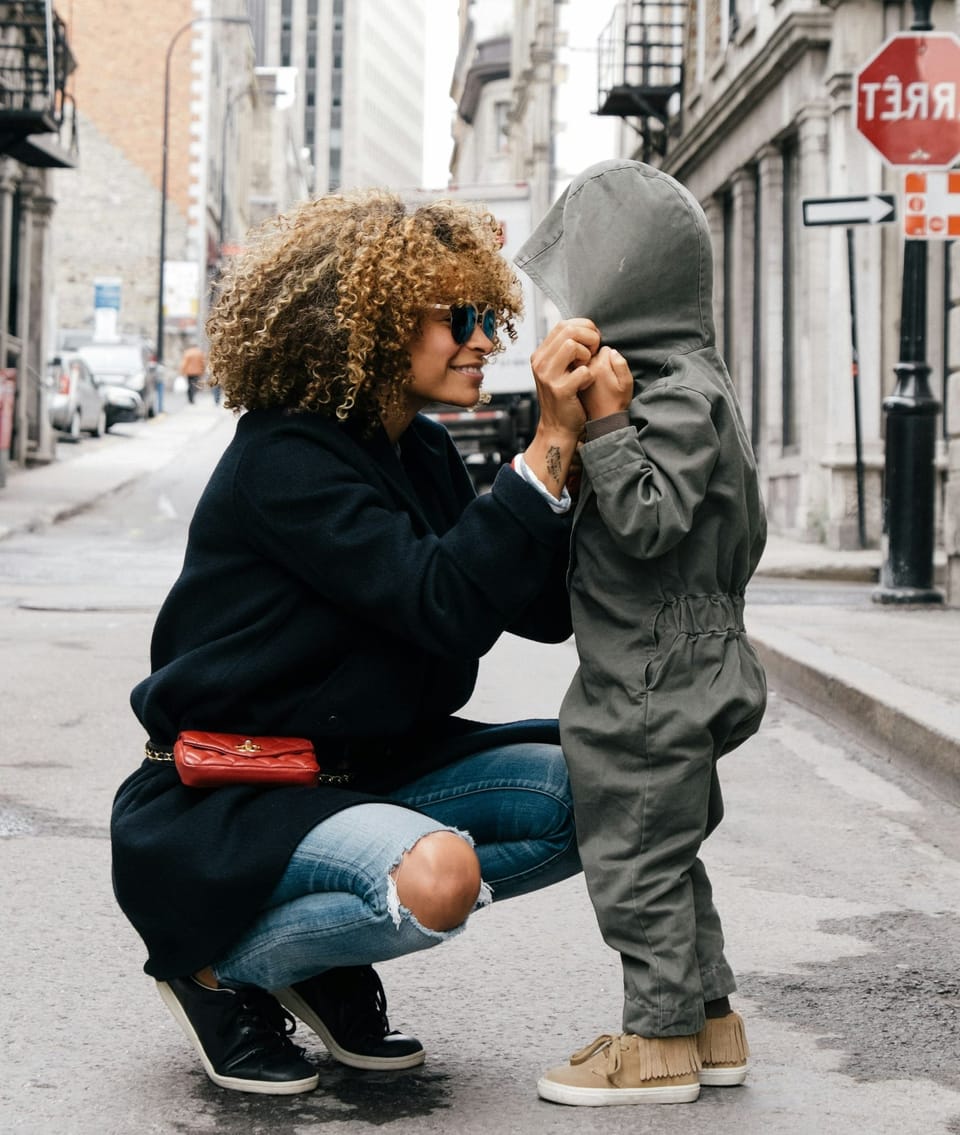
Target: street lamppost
<point x="907" y="570"/>
<point x="163" y="173"/>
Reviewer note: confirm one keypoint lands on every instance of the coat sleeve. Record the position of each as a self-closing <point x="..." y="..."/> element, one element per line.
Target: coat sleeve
<point x="336" y="525"/>
<point x="650" y="478"/>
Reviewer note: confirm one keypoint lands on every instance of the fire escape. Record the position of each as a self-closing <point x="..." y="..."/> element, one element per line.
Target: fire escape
<point x="35" y="63"/>
<point x="641" y="70"/>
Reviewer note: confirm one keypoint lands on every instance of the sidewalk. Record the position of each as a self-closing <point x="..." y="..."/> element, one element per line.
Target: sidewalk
<point x="888" y="673"/>
<point x="83" y="474"/>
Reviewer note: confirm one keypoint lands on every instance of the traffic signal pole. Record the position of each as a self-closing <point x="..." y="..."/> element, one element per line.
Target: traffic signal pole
<point x="906" y="573"/>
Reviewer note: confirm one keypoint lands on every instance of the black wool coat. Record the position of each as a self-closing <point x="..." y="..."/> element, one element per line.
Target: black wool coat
<point x="338" y="588"/>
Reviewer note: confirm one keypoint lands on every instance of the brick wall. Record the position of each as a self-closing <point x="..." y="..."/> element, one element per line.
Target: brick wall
<point x="107" y="219"/>
<point x="121" y="47"/>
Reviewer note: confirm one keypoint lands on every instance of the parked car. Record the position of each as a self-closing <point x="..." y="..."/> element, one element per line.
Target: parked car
<point x="129" y="362"/>
<point x="77" y="402"/>
<point x="119" y="402"/>
<point x="123" y="405"/>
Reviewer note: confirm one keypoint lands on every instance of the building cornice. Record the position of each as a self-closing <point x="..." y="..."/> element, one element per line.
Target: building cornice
<point x="492" y="61"/>
<point x="800" y="33"/>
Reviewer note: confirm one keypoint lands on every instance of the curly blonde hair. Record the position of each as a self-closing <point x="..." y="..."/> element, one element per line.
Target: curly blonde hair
<point x="318" y="313"/>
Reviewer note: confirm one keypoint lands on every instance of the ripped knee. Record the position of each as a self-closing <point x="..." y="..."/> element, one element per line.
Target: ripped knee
<point x="438" y="880"/>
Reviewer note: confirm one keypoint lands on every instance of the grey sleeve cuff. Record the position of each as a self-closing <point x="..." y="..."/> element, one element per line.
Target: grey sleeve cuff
<point x="600" y="426"/>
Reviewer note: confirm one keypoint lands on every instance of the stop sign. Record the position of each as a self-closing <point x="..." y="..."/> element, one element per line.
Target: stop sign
<point x="908" y="103"/>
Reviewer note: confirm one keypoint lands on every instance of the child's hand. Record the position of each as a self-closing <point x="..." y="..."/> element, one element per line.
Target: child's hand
<point x="610" y="389"/>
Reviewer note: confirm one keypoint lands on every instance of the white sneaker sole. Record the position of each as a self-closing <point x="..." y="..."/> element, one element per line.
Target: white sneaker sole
<point x="235" y="1083"/>
<point x="290" y="999"/>
<point x="604" y="1097"/>
<point x="723" y="1077"/>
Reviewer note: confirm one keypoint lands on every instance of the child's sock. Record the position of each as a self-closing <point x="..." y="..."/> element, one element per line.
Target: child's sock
<point x="718" y="1008"/>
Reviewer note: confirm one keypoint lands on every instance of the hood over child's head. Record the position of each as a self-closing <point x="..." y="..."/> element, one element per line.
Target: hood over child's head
<point x="627" y="246"/>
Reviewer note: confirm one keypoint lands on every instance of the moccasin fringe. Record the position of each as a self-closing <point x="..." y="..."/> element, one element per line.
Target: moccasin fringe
<point x="723" y="1040"/>
<point x="653" y="1058"/>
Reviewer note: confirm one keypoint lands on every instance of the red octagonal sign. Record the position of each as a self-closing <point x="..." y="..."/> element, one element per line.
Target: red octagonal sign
<point x="908" y="102"/>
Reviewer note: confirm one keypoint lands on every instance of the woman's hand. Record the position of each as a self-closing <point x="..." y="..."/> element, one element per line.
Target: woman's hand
<point x="560" y="371"/>
<point x="610" y="390"/>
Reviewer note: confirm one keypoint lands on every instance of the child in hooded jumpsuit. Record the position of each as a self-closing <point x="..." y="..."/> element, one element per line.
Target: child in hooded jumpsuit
<point x="668" y="529"/>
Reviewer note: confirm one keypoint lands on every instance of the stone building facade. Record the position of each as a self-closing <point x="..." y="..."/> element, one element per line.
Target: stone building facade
<point x="750" y="103"/>
<point x="37" y="136"/>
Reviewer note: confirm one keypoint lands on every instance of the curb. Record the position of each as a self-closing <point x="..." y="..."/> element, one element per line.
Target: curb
<point x="840" y="573"/>
<point x="903" y="724"/>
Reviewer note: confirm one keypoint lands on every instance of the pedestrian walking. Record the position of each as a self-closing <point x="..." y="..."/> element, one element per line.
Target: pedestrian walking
<point x="668" y="529"/>
<point x="340" y="582"/>
<point x="193" y="366"/>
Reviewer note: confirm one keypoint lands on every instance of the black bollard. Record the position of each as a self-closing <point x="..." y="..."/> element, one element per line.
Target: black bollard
<point x="906" y="574"/>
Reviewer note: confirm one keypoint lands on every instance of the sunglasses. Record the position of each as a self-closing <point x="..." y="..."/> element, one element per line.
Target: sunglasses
<point x="464" y="318"/>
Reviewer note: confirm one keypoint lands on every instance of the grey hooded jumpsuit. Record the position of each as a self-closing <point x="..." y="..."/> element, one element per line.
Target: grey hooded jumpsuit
<point x="668" y="528"/>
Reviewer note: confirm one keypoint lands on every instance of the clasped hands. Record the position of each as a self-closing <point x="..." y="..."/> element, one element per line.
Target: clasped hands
<point x="577" y="380"/>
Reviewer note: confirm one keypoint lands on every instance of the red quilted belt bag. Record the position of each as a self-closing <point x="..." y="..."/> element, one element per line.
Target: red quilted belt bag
<point x="213" y="760"/>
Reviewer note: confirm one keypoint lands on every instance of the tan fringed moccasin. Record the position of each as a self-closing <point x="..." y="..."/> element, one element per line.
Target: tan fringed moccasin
<point x="626" y="1069"/>
<point x="722" y="1045"/>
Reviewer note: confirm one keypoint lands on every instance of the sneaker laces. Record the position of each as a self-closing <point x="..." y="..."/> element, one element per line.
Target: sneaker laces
<point x="262" y="1017"/>
<point x="607" y="1041"/>
<point x="368" y="1002"/>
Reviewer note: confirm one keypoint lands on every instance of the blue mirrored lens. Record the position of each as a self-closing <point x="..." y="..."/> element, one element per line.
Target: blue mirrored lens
<point x="463" y="320"/>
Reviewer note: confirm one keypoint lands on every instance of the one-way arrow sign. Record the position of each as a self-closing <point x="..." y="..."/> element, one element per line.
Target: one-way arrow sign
<point x="870" y="209"/>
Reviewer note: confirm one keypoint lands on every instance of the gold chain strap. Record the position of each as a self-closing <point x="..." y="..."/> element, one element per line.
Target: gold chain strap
<point x="154" y="754"/>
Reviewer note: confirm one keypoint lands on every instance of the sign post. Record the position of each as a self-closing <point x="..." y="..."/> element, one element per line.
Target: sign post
<point x="870" y="209"/>
<point x="907" y="101"/>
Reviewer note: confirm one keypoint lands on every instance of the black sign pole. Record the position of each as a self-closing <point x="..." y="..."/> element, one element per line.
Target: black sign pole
<point x="906" y="574"/>
<point x="855" y="372"/>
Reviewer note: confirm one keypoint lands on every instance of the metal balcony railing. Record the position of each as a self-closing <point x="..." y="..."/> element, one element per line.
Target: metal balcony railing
<point x="35" y="64"/>
<point x="640" y="68"/>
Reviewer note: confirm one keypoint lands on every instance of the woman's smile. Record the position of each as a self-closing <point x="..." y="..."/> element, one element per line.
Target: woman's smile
<point x="469" y="370"/>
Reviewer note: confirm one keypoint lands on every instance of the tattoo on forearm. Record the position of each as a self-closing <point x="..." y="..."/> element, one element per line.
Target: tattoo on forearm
<point x="554" y="465"/>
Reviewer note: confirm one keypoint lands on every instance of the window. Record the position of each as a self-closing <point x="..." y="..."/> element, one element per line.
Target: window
<point x="791" y="206"/>
<point x="756" y="362"/>
<point x="13" y="271"/>
<point x="501" y="111"/>
<point x="728" y="257"/>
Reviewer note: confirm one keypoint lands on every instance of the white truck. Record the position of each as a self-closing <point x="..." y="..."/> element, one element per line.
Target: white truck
<point x="492" y="434"/>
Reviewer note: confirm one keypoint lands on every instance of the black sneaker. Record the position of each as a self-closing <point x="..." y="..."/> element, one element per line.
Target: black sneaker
<point x="347" y="1009"/>
<point x="241" y="1035"/>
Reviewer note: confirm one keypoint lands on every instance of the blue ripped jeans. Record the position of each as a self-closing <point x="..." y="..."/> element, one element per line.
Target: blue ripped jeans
<point x="336" y="904"/>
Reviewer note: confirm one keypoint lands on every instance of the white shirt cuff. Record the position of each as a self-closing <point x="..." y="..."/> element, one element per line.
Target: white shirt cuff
<point x="559" y="506"/>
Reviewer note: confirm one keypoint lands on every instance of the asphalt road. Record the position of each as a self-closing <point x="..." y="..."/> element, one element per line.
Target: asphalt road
<point x="838" y="878"/>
